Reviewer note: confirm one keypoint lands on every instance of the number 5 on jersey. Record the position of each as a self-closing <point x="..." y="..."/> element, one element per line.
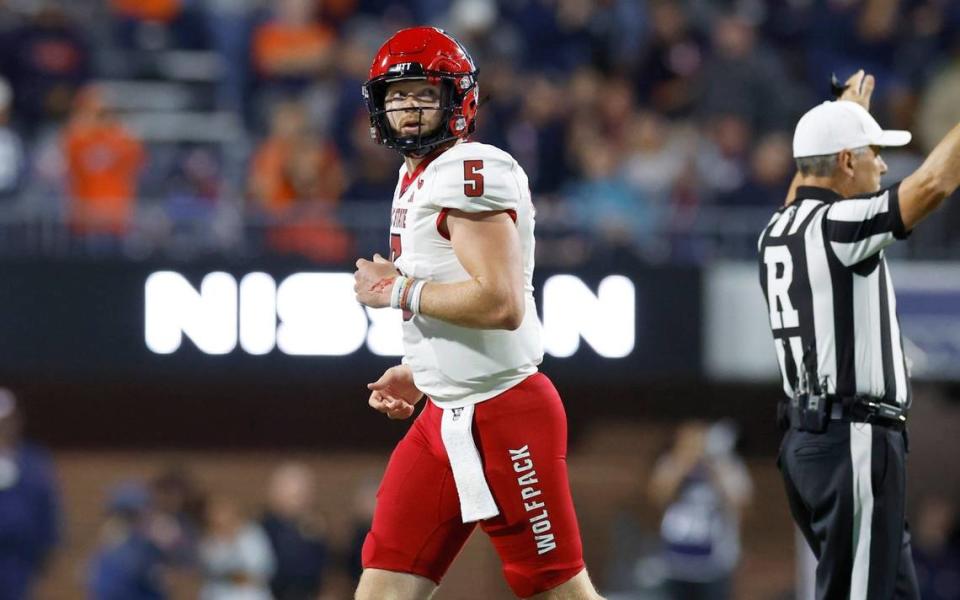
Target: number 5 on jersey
<point x="472" y="188"/>
<point x="473" y="178"/>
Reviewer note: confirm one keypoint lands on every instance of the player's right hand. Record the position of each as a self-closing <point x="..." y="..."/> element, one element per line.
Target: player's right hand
<point x="373" y="281"/>
<point x="395" y="394"/>
<point x="859" y="88"/>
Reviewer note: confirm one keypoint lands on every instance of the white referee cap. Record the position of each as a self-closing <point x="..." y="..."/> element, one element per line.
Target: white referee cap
<point x="841" y="125"/>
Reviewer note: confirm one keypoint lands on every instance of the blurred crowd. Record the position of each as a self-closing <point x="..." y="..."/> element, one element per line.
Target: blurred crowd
<point x="236" y="126"/>
<point x="703" y="491"/>
<point x="156" y="530"/>
<point x="700" y="490"/>
<point x="169" y="536"/>
<point x="172" y="534"/>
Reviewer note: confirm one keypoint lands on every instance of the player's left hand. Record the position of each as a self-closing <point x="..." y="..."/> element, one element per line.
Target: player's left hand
<point x="373" y="281"/>
<point x="395" y="394"/>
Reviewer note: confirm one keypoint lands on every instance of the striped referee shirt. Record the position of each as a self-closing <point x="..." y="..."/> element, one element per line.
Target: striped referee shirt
<point x="830" y="299"/>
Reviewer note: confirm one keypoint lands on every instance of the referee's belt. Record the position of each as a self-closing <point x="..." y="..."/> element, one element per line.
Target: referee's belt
<point x="867" y="409"/>
<point x="809" y="412"/>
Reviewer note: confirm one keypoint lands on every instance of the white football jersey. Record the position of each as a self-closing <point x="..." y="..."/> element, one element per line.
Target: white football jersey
<point x="453" y="365"/>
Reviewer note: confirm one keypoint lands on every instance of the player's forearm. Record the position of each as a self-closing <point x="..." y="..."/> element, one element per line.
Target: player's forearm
<point x="923" y="191"/>
<point x="473" y="303"/>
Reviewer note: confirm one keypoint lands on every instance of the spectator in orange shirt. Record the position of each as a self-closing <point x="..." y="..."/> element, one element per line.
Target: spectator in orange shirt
<point x="293" y="47"/>
<point x="297" y="179"/>
<point x="103" y="162"/>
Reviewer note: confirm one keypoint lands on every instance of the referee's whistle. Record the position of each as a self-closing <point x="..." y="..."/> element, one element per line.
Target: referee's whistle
<point x="836" y="88"/>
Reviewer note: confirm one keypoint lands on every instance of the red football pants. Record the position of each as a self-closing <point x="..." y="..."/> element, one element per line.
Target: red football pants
<point x="521" y="435"/>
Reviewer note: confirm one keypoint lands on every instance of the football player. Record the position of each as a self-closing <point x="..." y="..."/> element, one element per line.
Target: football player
<point x="489" y="446"/>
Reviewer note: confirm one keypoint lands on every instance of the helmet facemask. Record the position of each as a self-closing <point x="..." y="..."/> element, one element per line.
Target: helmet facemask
<point x="456" y="90"/>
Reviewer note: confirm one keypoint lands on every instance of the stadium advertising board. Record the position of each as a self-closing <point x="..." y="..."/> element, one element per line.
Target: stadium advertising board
<point x="315" y="314"/>
<point x="128" y="319"/>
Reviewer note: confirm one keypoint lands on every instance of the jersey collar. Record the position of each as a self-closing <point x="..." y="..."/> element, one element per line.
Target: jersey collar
<point x="810" y="192"/>
<point x="408" y="177"/>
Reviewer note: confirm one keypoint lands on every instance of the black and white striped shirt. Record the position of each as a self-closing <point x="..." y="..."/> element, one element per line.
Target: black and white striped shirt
<point x="829" y="294"/>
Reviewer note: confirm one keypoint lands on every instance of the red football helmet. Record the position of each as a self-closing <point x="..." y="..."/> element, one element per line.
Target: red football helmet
<point x="431" y="54"/>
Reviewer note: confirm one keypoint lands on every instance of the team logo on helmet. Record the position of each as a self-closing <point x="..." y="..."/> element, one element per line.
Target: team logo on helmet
<point x="402" y="69"/>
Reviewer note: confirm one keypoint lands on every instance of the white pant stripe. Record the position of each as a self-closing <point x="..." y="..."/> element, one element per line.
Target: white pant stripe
<point x="861" y="454"/>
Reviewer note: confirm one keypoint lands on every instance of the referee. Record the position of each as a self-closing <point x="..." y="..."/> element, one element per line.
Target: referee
<point x="832" y="310"/>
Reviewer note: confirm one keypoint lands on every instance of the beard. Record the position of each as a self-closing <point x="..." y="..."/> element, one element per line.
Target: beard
<point x="408" y="128"/>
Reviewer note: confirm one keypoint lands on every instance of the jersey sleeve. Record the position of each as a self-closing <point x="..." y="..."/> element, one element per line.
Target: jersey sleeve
<point x="858" y="228"/>
<point x="476" y="182"/>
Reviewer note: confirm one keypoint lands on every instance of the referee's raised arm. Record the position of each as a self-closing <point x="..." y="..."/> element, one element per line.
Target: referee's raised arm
<point x="939" y="175"/>
<point x="921" y="192"/>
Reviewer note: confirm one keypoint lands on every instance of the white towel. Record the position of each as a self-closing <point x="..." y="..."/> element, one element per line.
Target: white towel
<point x="476" y="501"/>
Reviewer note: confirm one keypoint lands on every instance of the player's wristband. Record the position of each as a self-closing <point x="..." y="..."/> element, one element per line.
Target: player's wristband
<point x="406" y="292"/>
<point x="396" y="292"/>
<point x="413" y="303"/>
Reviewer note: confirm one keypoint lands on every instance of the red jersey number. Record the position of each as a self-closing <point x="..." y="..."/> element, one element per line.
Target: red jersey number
<point x="473" y="178"/>
<point x="396" y="249"/>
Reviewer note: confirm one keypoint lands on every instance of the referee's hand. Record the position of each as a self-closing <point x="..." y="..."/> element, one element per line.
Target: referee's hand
<point x="859" y="89"/>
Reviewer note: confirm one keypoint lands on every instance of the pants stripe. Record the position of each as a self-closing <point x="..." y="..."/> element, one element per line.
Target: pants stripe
<point x="861" y="451"/>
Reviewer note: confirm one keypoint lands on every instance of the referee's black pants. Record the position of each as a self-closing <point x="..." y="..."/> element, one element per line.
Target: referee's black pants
<point x="846" y="488"/>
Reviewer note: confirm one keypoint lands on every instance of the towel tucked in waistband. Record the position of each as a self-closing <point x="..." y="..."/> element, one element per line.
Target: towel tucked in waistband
<point x="456" y="430"/>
